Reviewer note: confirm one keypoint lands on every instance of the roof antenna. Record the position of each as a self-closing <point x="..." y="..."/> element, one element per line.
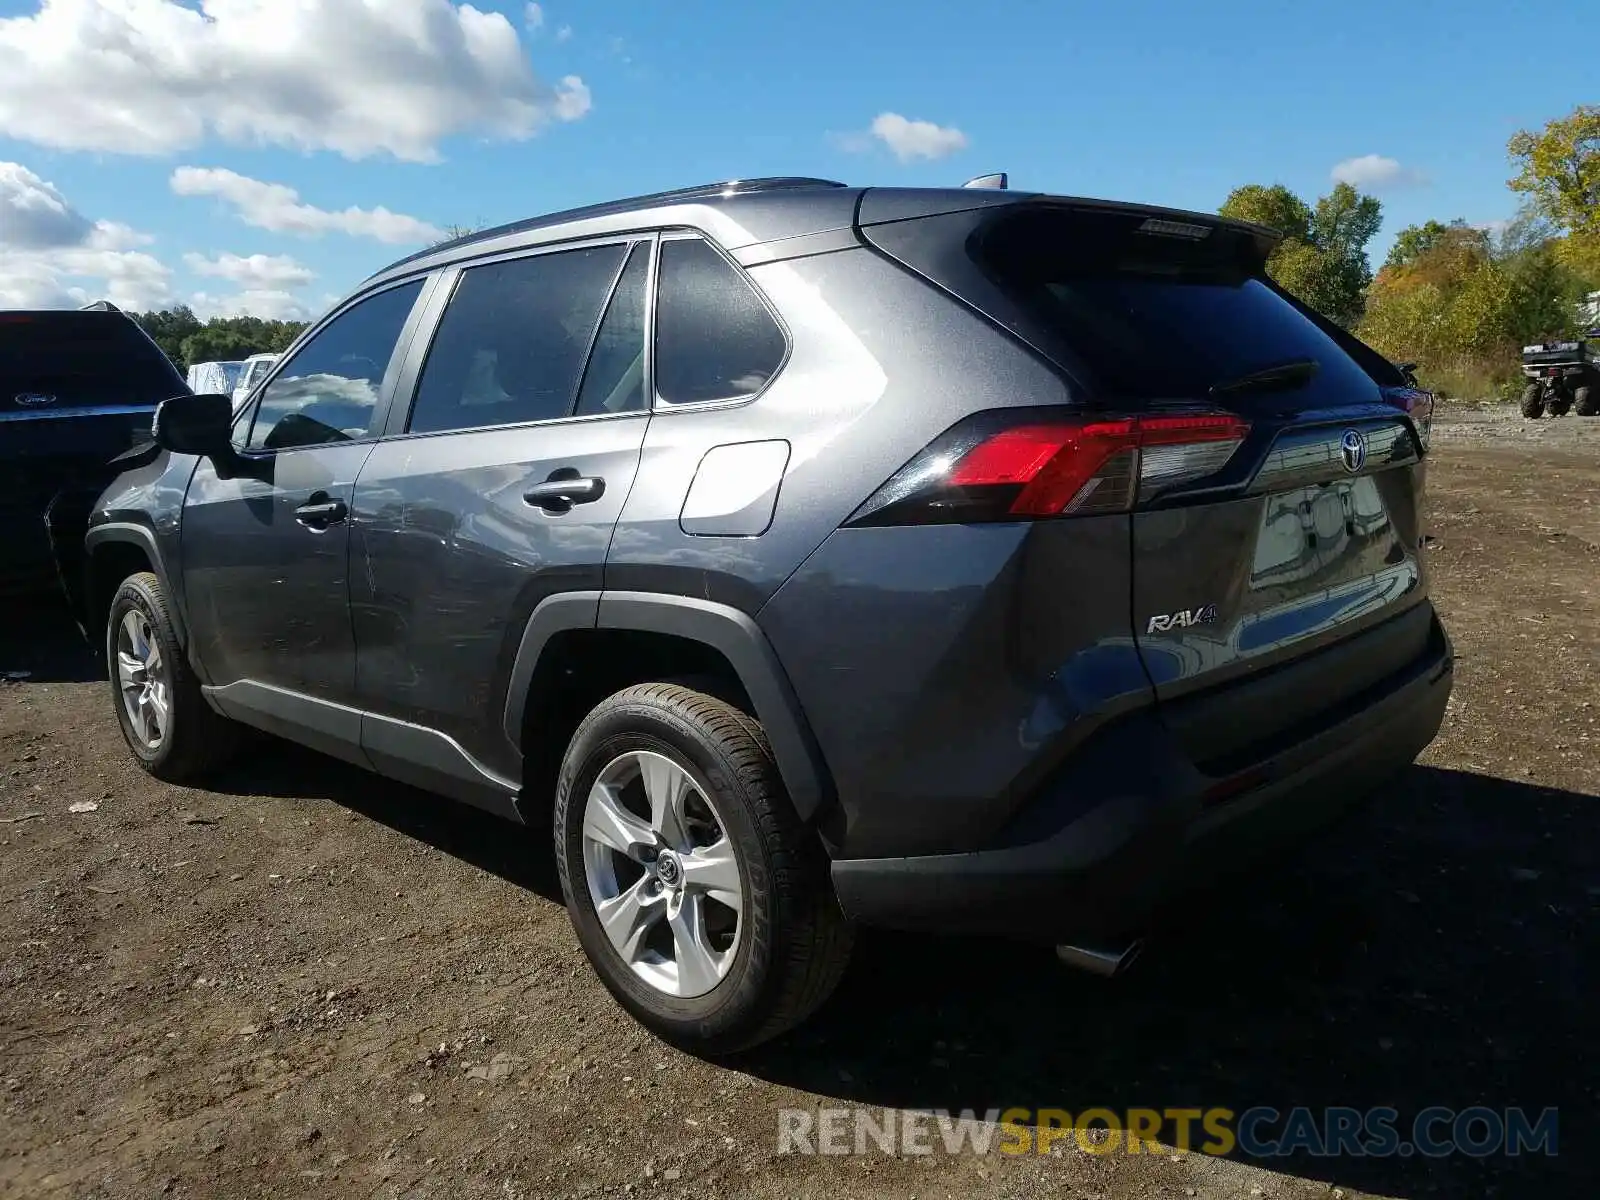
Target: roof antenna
<point x="997" y="181"/>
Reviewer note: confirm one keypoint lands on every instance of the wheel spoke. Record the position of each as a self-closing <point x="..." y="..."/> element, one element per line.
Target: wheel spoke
<point x="696" y="961"/>
<point x="127" y="668"/>
<point x="607" y="822"/>
<point x="666" y="785"/>
<point x="158" y="710"/>
<point x="714" y="871"/>
<point x="152" y="662"/>
<point x="136" y="643"/>
<point x="628" y="917"/>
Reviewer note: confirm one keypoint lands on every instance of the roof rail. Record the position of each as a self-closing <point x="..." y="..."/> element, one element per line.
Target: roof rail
<point x="100" y="306"/>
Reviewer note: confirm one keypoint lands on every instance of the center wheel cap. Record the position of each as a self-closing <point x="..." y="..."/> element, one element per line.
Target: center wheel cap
<point x="668" y="869"/>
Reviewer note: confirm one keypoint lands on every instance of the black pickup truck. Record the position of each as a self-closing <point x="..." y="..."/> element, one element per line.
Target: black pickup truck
<point x="78" y="388"/>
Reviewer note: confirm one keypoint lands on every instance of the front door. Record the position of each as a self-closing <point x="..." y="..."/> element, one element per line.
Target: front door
<point x="266" y="538"/>
<point x="501" y="486"/>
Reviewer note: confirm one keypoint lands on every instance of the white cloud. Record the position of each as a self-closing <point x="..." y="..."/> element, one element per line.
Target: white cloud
<point x="279" y="208"/>
<point x="916" y="139"/>
<point x="256" y="272"/>
<point x="272" y="304"/>
<point x="533" y="16"/>
<point x="564" y="34"/>
<point x="1374" y="172"/>
<point x="52" y="256"/>
<point x="359" y="77"/>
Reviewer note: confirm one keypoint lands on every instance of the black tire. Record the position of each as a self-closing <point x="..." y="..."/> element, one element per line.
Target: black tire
<point x="197" y="739"/>
<point x="1533" y="401"/>
<point x="793" y="943"/>
<point x="1559" y="405"/>
<point x="1585" y="402"/>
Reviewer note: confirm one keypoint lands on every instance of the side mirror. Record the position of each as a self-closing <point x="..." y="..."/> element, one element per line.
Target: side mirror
<point x="195" y="425"/>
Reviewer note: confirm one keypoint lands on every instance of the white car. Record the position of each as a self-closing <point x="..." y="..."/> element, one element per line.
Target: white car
<point x="255" y="370"/>
<point x="211" y="378"/>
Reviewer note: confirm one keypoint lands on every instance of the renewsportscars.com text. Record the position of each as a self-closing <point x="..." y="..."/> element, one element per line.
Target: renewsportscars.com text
<point x="1260" y="1132"/>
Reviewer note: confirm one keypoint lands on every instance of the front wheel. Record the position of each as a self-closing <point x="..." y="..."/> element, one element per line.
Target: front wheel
<point x="701" y="901"/>
<point x="1533" y="401"/>
<point x="173" y="733"/>
<point x="1586" y="402"/>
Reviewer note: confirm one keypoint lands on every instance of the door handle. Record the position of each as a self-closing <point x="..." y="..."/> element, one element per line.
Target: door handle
<point x="319" y="514"/>
<point x="564" y="489"/>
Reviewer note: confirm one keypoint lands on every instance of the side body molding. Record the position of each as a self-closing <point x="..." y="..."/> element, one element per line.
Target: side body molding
<point x="723" y="628"/>
<point x="740" y="640"/>
<point x="129" y="533"/>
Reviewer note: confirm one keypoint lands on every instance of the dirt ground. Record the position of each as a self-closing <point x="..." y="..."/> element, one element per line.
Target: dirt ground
<point x="307" y="981"/>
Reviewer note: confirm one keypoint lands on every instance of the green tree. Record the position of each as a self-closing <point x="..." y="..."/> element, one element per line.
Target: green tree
<point x="224" y="339"/>
<point x="1276" y="207"/>
<point x="168" y="328"/>
<point x="1559" y="169"/>
<point x="1322" y="259"/>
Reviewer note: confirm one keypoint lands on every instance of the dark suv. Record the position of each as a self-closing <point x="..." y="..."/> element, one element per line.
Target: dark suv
<point x="950" y="559"/>
<point x="77" y="389"/>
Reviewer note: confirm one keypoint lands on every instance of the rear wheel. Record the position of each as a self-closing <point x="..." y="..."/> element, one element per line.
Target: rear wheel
<point x="1586" y="402"/>
<point x="1533" y="401"/>
<point x="702" y="902"/>
<point x="1559" y="404"/>
<point x="173" y="733"/>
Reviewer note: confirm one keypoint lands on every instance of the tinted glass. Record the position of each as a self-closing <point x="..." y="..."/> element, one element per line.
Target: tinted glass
<point x="1158" y="316"/>
<point x="715" y="339"/>
<point x="328" y="391"/>
<point x="512" y="342"/>
<point x="614" y="380"/>
<point x="80" y="359"/>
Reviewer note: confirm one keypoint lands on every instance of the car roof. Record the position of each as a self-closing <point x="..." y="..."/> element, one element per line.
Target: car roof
<point x="745" y="212"/>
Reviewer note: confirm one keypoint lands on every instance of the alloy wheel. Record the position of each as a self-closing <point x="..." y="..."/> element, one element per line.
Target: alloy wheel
<point x="663" y="874"/>
<point x="142" y="678"/>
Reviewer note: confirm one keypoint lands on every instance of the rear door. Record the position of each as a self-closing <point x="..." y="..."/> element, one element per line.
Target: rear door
<point x="501" y="483"/>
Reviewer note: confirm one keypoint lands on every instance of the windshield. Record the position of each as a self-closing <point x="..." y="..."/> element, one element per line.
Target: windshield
<point x="1157" y="314"/>
<point x="95" y="357"/>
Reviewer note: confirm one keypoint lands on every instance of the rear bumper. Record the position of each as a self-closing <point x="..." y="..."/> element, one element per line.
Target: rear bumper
<point x="1068" y="870"/>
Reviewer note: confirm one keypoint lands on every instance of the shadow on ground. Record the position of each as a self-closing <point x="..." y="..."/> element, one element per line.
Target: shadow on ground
<point x="40" y="640"/>
<point x="1432" y="953"/>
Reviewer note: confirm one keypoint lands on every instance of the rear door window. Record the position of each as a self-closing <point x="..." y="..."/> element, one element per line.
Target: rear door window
<point x="512" y="344"/>
<point x="613" y="382"/>
<point x="715" y="337"/>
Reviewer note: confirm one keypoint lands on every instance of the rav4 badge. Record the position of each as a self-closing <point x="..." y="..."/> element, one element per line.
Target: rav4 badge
<point x="1184" y="618"/>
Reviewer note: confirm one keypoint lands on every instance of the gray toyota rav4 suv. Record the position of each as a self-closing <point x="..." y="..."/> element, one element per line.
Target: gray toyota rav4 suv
<point x="821" y="556"/>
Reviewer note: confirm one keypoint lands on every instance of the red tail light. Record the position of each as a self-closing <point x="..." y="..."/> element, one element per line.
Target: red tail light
<point x="1011" y="465"/>
<point x="1416" y="403"/>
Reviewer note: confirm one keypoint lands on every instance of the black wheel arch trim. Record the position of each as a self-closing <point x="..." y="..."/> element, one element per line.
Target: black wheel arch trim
<point x="725" y="629"/>
<point x="129" y="533"/>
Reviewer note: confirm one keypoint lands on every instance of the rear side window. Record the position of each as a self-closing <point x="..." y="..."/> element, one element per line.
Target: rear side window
<point x="81" y="359"/>
<point x="512" y="343"/>
<point x="1160" y="309"/>
<point x="715" y="337"/>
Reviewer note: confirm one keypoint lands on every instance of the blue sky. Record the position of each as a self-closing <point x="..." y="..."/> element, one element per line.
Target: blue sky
<point x="150" y="154"/>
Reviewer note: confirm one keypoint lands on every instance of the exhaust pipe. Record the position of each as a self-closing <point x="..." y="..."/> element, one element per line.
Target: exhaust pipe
<point x="1104" y="963"/>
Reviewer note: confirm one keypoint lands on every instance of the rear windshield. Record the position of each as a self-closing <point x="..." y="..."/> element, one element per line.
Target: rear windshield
<point x="1159" y="309"/>
<point x="78" y="354"/>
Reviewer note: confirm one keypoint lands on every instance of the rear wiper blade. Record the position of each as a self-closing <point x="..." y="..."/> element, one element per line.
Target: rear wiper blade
<point x="1294" y="373"/>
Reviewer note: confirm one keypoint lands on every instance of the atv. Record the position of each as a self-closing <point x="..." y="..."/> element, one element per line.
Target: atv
<point x="1562" y="376"/>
